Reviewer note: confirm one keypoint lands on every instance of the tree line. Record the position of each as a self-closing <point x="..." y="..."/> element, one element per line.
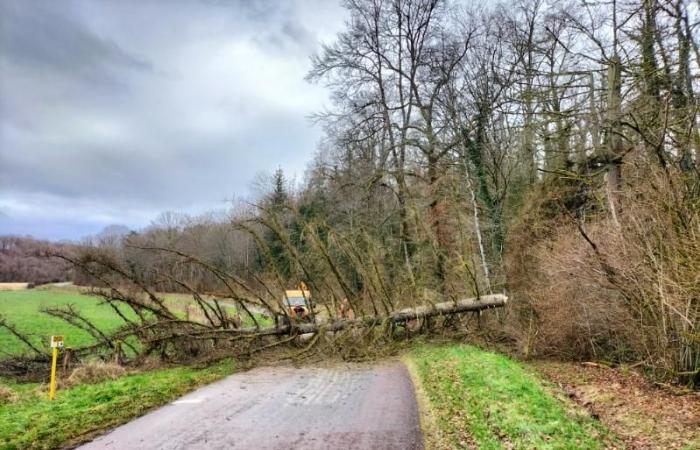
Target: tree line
<point x="19" y="262"/>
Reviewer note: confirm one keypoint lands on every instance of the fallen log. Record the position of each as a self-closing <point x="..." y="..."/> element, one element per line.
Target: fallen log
<point x="402" y="316"/>
<point x="446" y="308"/>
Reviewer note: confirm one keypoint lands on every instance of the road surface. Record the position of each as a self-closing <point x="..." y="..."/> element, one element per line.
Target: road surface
<point x="344" y="407"/>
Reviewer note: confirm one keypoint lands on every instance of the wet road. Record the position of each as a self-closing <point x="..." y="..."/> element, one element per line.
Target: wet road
<point x="344" y="407"/>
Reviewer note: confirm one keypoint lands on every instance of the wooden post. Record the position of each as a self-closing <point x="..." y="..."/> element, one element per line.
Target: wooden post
<point x="67" y="360"/>
<point x="118" y="353"/>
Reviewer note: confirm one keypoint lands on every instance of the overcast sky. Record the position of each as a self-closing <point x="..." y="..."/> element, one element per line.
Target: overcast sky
<point x="114" y="111"/>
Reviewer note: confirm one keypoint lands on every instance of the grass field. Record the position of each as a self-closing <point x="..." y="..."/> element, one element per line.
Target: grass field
<point x="478" y="399"/>
<point x="179" y="302"/>
<point x="23" y="309"/>
<point x="78" y="413"/>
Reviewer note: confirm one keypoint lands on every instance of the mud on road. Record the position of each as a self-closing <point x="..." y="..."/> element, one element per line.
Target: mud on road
<point x="347" y="406"/>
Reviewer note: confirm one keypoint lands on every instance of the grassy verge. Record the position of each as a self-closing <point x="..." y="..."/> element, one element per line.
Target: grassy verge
<point x="485" y="400"/>
<point x="78" y="413"/>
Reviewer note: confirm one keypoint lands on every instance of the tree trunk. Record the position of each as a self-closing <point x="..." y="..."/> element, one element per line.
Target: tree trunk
<point x="615" y="147"/>
<point x="420" y="312"/>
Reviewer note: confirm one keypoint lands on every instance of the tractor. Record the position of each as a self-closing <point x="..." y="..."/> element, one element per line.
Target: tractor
<point x="298" y="304"/>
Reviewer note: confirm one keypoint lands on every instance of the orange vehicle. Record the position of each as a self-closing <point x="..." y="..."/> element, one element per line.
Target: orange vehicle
<point x="298" y="303"/>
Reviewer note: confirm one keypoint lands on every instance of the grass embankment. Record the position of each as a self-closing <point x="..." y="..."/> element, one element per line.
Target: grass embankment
<point x="479" y="399"/>
<point x="31" y="421"/>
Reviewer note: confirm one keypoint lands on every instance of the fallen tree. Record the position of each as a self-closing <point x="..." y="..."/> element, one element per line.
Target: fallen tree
<point x="197" y="338"/>
<point x="231" y="317"/>
<point x="402" y="316"/>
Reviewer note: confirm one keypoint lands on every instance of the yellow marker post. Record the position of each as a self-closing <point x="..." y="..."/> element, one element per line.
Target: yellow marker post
<point x="56" y="343"/>
<point x="52" y="390"/>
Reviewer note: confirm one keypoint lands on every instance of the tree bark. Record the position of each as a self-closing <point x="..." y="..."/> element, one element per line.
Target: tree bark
<point x="420" y="312"/>
<point x="615" y="146"/>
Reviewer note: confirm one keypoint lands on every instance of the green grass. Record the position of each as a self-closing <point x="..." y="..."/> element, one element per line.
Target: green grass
<point x="180" y="302"/>
<point x="487" y="400"/>
<point x="34" y="422"/>
<point x="22" y="309"/>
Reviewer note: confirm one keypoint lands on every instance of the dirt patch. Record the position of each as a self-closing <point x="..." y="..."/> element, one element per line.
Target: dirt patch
<point x="13" y="286"/>
<point x="644" y="415"/>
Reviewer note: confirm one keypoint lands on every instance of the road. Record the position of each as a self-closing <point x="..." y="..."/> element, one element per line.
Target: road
<point x="343" y="407"/>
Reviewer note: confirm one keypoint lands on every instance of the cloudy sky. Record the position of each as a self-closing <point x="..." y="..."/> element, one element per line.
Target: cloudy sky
<point x="114" y="111"/>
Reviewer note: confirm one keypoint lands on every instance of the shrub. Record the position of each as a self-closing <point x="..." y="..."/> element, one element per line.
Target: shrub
<point x="586" y="287"/>
<point x="95" y="372"/>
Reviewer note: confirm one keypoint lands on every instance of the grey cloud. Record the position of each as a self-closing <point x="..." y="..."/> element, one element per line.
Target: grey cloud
<point x="297" y="32"/>
<point x="111" y="112"/>
<point x="42" y="36"/>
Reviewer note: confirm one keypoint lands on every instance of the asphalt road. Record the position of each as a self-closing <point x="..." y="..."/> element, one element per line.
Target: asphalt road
<point x="344" y="407"/>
